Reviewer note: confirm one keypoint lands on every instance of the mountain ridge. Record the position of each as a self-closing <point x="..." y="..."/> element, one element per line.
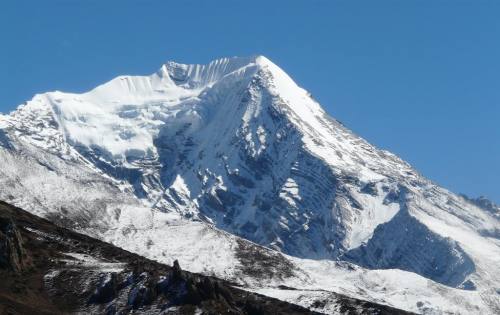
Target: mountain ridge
<point x="236" y="144"/>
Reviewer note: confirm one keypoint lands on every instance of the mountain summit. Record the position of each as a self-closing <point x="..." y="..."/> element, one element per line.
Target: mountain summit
<point x="238" y="154"/>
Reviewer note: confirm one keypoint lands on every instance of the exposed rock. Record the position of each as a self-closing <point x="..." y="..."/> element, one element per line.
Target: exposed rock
<point x="12" y="253"/>
<point x="73" y="273"/>
<point x="437" y="258"/>
<point x="484" y="203"/>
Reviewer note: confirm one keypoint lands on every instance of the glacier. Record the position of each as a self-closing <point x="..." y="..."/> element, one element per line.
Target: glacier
<point x="213" y="164"/>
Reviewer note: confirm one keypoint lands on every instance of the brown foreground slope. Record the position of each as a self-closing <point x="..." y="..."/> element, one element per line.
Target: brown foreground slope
<point x="46" y="269"/>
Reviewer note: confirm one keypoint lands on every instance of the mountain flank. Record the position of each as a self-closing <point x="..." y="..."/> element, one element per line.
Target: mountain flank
<point x="46" y="269"/>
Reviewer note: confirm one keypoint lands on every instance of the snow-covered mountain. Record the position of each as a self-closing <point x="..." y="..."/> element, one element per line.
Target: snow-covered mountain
<point x="204" y="163"/>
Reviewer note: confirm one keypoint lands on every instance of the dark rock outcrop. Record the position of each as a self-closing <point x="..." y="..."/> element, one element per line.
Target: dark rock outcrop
<point x="414" y="248"/>
<point x="13" y="256"/>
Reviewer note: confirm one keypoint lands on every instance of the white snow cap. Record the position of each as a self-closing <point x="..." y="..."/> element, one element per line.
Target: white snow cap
<point x="198" y="75"/>
<point x="123" y="116"/>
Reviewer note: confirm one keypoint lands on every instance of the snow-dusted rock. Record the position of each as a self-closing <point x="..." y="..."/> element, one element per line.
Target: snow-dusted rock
<point x="166" y="164"/>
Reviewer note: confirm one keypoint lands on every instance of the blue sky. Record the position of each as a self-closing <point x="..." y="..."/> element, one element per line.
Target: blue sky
<point x="419" y="78"/>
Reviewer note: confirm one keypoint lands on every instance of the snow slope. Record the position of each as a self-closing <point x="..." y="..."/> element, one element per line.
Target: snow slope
<point x="234" y="152"/>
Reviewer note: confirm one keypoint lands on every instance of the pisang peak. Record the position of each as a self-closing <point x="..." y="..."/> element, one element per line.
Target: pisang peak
<point x="234" y="170"/>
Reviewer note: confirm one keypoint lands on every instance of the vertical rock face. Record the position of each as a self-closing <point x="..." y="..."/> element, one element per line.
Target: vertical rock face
<point x="13" y="257"/>
<point x="407" y="244"/>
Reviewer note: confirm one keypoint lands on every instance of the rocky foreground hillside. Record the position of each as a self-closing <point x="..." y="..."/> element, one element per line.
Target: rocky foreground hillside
<point x="46" y="269"/>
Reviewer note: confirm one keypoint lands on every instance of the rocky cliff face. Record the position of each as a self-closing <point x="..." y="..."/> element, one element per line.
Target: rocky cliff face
<point x="393" y="246"/>
<point x="12" y="253"/>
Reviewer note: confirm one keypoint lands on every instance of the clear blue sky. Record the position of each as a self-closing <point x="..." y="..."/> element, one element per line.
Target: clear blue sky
<point x="419" y="78"/>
